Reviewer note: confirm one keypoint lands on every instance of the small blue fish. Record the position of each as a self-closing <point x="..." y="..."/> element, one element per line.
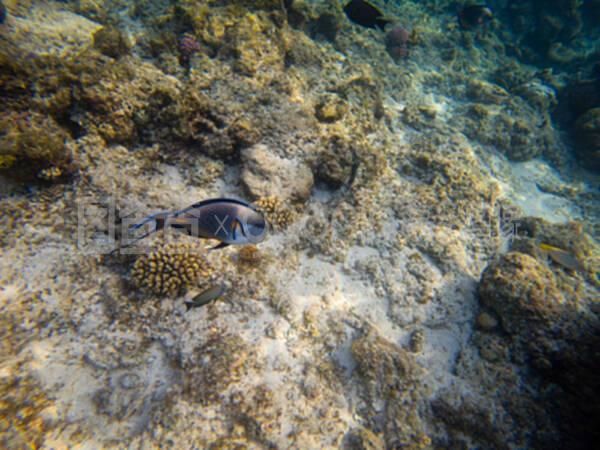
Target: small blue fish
<point x="2" y="12"/>
<point x="227" y="220"/>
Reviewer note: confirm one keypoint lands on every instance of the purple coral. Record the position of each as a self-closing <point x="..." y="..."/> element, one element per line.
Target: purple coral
<point x="397" y="42"/>
<point x="188" y="46"/>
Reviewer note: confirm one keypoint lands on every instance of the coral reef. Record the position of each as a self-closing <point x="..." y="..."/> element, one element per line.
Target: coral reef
<point x="391" y="376"/>
<point x="549" y="30"/>
<point x="577" y="112"/>
<point x="264" y="173"/>
<point x="412" y="301"/>
<point x="111" y="41"/>
<point x="188" y="46"/>
<point x="491" y="119"/>
<point x="170" y="268"/>
<point x="330" y="108"/>
<point x="34" y="142"/>
<point x="397" y="41"/>
<point x="587" y="132"/>
<point x="338" y="161"/>
<point x="215" y="131"/>
<point x="275" y="211"/>
<point x="225" y="360"/>
<point x="249" y="254"/>
<point x="521" y="291"/>
<point x="549" y="333"/>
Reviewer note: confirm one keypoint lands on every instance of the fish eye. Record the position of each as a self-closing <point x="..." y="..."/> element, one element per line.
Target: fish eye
<point x="256" y="229"/>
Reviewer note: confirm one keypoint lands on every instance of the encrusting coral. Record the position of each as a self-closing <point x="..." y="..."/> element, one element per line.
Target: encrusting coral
<point x="249" y="254"/>
<point x="170" y="268"/>
<point x="32" y="141"/>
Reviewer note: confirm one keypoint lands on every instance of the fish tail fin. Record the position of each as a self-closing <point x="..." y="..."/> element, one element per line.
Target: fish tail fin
<point x="158" y="221"/>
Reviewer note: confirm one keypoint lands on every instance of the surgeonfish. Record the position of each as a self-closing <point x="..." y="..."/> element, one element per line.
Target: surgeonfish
<point x="206" y="296"/>
<point x="364" y="13"/>
<point x="230" y="221"/>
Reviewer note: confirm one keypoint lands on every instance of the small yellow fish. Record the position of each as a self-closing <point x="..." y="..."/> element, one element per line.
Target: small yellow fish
<point x="548" y="248"/>
<point x="562" y="257"/>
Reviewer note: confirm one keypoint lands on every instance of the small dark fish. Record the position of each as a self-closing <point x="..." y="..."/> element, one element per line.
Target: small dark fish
<point x="365" y="14"/>
<point x="205" y="297"/>
<point x="227" y="220"/>
<point x="2" y="12"/>
<point x="472" y="16"/>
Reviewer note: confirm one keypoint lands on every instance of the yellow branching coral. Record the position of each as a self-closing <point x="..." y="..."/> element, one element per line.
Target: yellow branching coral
<point x="170" y="268"/>
<point x="275" y="212"/>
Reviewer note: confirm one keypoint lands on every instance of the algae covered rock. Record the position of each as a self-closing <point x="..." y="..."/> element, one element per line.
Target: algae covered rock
<point x="390" y="377"/>
<point x="265" y="174"/>
<point x="219" y="132"/>
<point x="215" y="363"/>
<point x="521" y="291"/>
<point x="330" y="108"/>
<point x="49" y="30"/>
<point x="337" y="162"/>
<point x="33" y="141"/>
<point x="111" y="41"/>
<point x="587" y="135"/>
<point x="252" y="39"/>
<point x="552" y="332"/>
<point x="516" y="137"/>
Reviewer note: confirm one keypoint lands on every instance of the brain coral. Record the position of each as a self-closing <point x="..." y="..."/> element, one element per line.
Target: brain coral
<point x="170" y="268"/>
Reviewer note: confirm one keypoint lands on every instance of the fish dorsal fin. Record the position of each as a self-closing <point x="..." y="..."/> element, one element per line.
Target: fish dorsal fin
<point x="219" y="200"/>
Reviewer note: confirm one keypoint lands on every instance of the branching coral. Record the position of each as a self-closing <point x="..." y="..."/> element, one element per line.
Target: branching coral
<point x="170" y="268"/>
<point x="276" y="213"/>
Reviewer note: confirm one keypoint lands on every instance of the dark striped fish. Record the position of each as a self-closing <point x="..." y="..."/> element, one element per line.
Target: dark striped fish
<point x="205" y="297"/>
<point x="227" y="220"/>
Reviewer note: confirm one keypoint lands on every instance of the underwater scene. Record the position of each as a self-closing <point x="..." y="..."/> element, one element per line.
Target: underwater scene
<point x="299" y="224"/>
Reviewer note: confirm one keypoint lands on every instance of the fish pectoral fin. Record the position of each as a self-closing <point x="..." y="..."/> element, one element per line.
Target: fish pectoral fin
<point x="221" y="245"/>
<point x="188" y="306"/>
<point x="235" y="226"/>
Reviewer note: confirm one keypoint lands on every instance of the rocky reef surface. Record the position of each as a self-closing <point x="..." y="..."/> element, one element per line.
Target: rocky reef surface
<point x="390" y="306"/>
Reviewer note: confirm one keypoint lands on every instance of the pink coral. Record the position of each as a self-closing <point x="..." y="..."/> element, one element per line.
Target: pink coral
<point x="397" y="41"/>
<point x="188" y="45"/>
